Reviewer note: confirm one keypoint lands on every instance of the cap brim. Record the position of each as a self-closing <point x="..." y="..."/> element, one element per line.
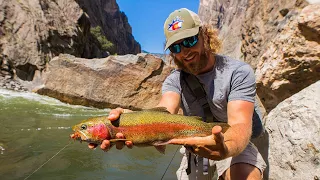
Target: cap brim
<point x="181" y="35"/>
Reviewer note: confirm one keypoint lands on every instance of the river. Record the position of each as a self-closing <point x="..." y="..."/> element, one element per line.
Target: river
<point x="34" y="128"/>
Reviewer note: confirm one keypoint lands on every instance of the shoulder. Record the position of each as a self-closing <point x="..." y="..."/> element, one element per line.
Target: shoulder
<point x="174" y="75"/>
<point x="173" y="78"/>
<point x="229" y="62"/>
<point x="230" y="65"/>
<point x="172" y="82"/>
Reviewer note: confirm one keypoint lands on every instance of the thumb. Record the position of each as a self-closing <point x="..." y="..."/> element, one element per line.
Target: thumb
<point x="217" y="134"/>
<point x="115" y="114"/>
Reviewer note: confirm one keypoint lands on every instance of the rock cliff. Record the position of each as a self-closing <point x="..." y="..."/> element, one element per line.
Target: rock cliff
<point x="228" y="17"/>
<point x="114" y="24"/>
<point x="32" y="32"/>
<point x="292" y="60"/>
<point x="280" y="39"/>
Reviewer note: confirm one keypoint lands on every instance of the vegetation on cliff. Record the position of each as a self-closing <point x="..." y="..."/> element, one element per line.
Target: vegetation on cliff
<point x="104" y="42"/>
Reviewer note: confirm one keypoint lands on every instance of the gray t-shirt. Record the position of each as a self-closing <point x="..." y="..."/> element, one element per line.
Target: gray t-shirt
<point x="229" y="80"/>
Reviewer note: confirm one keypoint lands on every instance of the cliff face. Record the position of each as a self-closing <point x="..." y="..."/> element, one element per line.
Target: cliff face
<point x="114" y="24"/>
<point x="227" y="16"/>
<point x="247" y="26"/>
<point x="32" y="32"/>
<point x="277" y="38"/>
<point x="281" y="41"/>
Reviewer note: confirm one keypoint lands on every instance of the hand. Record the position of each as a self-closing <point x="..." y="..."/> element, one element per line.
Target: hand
<point x="211" y="147"/>
<point x="105" y="145"/>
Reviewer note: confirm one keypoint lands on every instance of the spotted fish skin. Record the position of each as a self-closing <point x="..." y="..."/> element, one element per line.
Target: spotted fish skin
<point x="149" y="127"/>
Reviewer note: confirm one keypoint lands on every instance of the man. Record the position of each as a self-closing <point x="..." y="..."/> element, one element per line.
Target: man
<point x="230" y="88"/>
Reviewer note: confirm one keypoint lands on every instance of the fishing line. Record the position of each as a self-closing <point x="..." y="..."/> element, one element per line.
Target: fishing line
<point x="48" y="160"/>
<point x="170" y="163"/>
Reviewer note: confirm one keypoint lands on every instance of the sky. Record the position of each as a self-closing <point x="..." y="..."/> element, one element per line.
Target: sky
<point x="147" y="17"/>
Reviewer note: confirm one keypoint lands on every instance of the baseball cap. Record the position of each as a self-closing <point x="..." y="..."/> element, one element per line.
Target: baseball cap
<point x="180" y="24"/>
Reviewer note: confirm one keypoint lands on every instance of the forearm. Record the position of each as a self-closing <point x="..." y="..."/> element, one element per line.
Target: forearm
<point x="237" y="138"/>
<point x="171" y="101"/>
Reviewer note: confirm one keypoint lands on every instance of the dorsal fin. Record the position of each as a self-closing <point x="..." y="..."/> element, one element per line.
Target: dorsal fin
<point x="159" y="109"/>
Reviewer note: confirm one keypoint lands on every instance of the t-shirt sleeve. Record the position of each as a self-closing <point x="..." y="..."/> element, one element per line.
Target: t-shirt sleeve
<point x="243" y="84"/>
<point x="172" y="83"/>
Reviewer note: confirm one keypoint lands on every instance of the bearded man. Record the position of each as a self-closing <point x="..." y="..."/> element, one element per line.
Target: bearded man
<point x="230" y="90"/>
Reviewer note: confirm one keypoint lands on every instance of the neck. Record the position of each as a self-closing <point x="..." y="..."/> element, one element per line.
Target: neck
<point x="210" y="65"/>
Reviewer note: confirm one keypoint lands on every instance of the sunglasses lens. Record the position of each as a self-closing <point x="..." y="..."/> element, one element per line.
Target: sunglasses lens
<point x="175" y="48"/>
<point x="190" y="41"/>
<point x="187" y="42"/>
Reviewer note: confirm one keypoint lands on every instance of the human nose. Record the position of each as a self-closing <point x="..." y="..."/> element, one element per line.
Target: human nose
<point x="184" y="51"/>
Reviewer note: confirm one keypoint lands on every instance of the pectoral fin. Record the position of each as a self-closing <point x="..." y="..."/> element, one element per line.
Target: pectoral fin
<point x="161" y="148"/>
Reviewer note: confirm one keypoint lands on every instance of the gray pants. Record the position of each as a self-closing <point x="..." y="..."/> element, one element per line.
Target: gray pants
<point x="250" y="155"/>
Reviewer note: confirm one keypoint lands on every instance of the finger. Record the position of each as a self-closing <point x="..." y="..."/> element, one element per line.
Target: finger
<point x="129" y="144"/>
<point x="105" y="145"/>
<point x="207" y="152"/>
<point x="216" y="129"/>
<point x="120" y="144"/>
<point x="115" y="114"/>
<point x="217" y="134"/>
<point x="92" y="146"/>
<point x="185" y="142"/>
<point x="193" y="141"/>
<point x="120" y="136"/>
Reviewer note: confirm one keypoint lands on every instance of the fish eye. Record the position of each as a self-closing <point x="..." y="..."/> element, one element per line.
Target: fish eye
<point x="83" y="127"/>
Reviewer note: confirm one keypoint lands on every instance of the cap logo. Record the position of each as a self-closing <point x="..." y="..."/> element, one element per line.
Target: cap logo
<point x="176" y="24"/>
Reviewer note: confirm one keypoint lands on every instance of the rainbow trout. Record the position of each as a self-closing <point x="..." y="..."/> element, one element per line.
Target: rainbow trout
<point x="153" y="127"/>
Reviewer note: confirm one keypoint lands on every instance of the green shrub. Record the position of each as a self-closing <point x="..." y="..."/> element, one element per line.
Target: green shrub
<point x="105" y="44"/>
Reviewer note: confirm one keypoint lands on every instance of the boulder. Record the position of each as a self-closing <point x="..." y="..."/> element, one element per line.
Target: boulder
<point x="292" y="60"/>
<point x="129" y="81"/>
<point x="294" y="136"/>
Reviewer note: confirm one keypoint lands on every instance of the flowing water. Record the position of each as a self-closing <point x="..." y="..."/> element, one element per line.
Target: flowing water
<point x="34" y="128"/>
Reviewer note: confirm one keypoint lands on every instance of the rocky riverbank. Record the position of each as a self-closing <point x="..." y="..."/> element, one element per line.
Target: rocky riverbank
<point x="7" y="80"/>
<point x="9" y="83"/>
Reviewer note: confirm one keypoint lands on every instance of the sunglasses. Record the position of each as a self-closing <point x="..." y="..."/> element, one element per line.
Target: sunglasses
<point x="187" y="42"/>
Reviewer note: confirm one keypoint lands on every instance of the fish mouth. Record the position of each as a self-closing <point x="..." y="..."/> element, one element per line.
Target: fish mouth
<point x="80" y="136"/>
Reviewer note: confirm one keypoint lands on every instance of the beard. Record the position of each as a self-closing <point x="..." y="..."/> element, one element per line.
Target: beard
<point x="193" y="67"/>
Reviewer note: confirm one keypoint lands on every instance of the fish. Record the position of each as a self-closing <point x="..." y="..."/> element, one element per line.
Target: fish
<point x="149" y="127"/>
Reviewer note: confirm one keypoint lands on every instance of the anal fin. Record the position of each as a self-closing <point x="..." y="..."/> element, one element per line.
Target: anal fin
<point x="161" y="148"/>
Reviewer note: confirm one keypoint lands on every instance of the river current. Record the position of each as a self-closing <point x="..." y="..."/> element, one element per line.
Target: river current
<point x="34" y="128"/>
